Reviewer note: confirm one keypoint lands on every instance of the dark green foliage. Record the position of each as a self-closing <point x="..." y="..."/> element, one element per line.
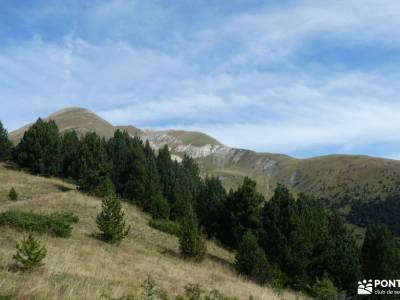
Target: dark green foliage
<point x="166" y="226"/>
<point x="110" y="221"/>
<point x="92" y="165"/>
<point x="191" y="243"/>
<point x="385" y="212"/>
<point x="381" y="257"/>
<point x="105" y="187"/>
<point x="40" y="149"/>
<point x="5" y="144"/>
<point x="241" y="212"/>
<point x="70" y="146"/>
<point x="56" y="224"/>
<point x="343" y="263"/>
<point x="305" y="242"/>
<point x="251" y="260"/>
<point x="160" y="208"/>
<point x="13" y="195"/>
<point x="153" y="200"/>
<point x="324" y="289"/>
<point x="128" y="166"/>
<point x="210" y="205"/>
<point x="30" y="253"/>
<point x="166" y="170"/>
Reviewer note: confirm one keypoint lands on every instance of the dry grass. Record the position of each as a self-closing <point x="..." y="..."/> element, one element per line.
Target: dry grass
<point x="82" y="267"/>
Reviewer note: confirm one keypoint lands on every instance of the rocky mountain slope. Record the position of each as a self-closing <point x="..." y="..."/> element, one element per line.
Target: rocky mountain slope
<point x="334" y="177"/>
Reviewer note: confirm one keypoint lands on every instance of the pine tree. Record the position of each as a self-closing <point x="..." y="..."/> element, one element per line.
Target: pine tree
<point x="191" y="243"/>
<point x="381" y="257"/>
<point x="110" y="221"/>
<point x="210" y="205"/>
<point x="343" y="264"/>
<point x="40" y="149"/>
<point x="251" y="259"/>
<point x="70" y="146"/>
<point x="92" y="165"/>
<point x="160" y="208"/>
<point x="241" y="213"/>
<point x="30" y="253"/>
<point x="166" y="169"/>
<point x="13" y="195"/>
<point x="5" y="144"/>
<point x="153" y="199"/>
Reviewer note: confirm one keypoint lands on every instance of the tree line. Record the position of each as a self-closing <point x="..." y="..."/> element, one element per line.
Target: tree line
<point x="287" y="240"/>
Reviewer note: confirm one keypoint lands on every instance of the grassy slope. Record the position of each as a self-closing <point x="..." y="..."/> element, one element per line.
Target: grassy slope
<point x="194" y="138"/>
<point x="82" y="267"/>
<point x="78" y="119"/>
<point x="330" y="177"/>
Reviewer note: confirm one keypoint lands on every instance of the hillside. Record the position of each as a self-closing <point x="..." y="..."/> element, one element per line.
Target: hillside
<point x="334" y="177"/>
<point x="81" y="267"/>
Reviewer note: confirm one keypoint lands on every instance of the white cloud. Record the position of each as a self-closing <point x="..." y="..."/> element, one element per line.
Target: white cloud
<point x="235" y="77"/>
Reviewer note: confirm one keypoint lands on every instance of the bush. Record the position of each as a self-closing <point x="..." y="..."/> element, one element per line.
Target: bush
<point x="56" y="224"/>
<point x="151" y="291"/>
<point x="191" y="243"/>
<point x="13" y="195"/>
<point x="110" y="221"/>
<point x="166" y="226"/>
<point x="30" y="254"/>
<point x="324" y="290"/>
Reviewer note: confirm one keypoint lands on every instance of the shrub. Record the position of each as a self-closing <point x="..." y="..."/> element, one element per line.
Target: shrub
<point x="166" y="226"/>
<point x="110" y="221"/>
<point x="191" y="243"/>
<point x="151" y="291"/>
<point x="324" y="290"/>
<point x="56" y="224"/>
<point x="30" y="254"/>
<point x="13" y="195"/>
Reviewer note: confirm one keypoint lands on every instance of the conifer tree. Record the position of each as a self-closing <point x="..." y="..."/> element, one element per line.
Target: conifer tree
<point x="210" y="205"/>
<point x="13" y="195"/>
<point x="251" y="259"/>
<point x="381" y="257"/>
<point x="70" y="146"/>
<point x="191" y="243"/>
<point x="5" y="144"/>
<point x="160" y="208"/>
<point x="92" y="164"/>
<point x="111" y="221"/>
<point x="30" y="253"/>
<point x="153" y="199"/>
<point x="40" y="149"/>
<point x="241" y="213"/>
<point x="343" y="263"/>
<point x="166" y="170"/>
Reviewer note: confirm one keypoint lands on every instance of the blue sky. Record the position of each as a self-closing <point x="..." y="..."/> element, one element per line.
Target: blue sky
<point x="302" y="78"/>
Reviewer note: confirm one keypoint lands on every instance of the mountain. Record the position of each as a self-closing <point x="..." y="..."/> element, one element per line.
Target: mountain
<point x="333" y="177"/>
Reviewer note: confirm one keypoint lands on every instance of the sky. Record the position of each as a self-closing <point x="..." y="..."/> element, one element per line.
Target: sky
<point x="303" y="78"/>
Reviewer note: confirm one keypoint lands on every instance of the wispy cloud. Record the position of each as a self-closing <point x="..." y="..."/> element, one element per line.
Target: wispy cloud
<point x="299" y="77"/>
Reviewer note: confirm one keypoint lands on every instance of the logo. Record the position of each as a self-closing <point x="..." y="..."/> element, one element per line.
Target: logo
<point x="379" y="287"/>
<point x="365" y="287"/>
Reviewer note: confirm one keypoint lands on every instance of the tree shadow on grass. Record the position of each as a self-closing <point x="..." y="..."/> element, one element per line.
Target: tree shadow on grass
<point x="62" y="188"/>
<point x="218" y="260"/>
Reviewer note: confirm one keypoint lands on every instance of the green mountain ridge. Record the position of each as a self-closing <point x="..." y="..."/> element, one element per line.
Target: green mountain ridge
<point x="332" y="177"/>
